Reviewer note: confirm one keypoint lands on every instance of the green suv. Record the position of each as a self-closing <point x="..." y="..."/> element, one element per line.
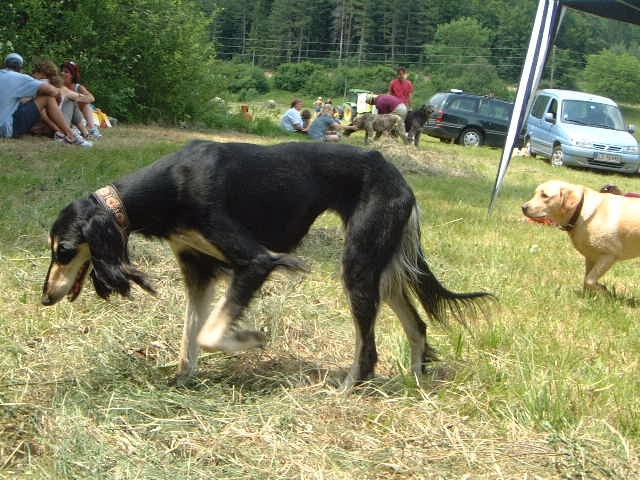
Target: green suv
<point x="468" y="119"/>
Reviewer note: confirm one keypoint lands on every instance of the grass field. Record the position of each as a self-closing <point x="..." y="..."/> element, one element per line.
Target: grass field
<point x="546" y="388"/>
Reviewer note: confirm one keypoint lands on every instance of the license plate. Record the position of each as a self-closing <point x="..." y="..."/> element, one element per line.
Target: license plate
<point x="607" y="158"/>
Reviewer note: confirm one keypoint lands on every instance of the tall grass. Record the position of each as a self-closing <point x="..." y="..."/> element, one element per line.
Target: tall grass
<point x="546" y="388"/>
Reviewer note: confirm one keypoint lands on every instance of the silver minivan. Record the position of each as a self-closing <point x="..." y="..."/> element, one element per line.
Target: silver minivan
<point x="583" y="130"/>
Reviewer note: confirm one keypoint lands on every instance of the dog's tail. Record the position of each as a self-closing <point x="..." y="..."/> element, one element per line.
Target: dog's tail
<point x="409" y="270"/>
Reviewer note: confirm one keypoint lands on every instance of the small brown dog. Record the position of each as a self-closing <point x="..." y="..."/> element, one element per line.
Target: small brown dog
<point x="379" y="124"/>
<point x="604" y="228"/>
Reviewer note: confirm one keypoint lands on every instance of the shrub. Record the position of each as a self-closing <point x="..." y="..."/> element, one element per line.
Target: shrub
<point x="293" y="76"/>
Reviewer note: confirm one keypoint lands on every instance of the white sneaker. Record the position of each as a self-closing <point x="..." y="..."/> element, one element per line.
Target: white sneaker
<point x="95" y="133"/>
<point x="80" y="141"/>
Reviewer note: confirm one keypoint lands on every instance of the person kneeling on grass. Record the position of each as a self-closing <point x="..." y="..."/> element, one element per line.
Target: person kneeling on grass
<point x="326" y="127"/>
<point x="17" y="118"/>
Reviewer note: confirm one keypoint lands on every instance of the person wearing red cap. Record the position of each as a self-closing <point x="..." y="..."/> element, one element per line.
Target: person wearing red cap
<point x="16" y="117"/>
<point x="78" y="96"/>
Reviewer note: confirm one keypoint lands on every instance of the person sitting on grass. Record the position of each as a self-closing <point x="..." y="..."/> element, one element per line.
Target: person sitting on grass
<point x="16" y="117"/>
<point x="48" y="71"/>
<point x="326" y="127"/>
<point x="78" y="96"/>
<point x="292" y="120"/>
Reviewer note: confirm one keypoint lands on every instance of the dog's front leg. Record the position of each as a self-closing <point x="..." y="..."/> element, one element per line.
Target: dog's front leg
<point x="199" y="272"/>
<point x="416" y="136"/>
<point x="596" y="269"/>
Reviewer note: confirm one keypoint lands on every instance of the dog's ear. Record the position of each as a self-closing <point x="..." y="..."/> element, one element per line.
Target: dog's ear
<point x="112" y="271"/>
<point x="569" y="199"/>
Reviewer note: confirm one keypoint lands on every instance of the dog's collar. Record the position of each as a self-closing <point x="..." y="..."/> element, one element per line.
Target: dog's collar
<point x="109" y="198"/>
<point x="567" y="227"/>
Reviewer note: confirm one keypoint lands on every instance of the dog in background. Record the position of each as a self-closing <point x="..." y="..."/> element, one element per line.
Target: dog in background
<point x="615" y="190"/>
<point x="375" y="125"/>
<point x="229" y="208"/>
<point x="603" y="227"/>
<point x="415" y="121"/>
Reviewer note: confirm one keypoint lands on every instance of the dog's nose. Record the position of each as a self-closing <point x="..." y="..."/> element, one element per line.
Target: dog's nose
<point x="46" y="300"/>
<point x="525" y="207"/>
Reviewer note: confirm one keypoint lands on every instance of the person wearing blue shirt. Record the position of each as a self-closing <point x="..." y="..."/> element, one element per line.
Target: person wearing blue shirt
<point x="326" y="127"/>
<point x="17" y="117"/>
<point x="292" y="120"/>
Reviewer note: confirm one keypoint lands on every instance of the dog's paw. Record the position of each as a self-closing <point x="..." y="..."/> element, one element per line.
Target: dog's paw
<point x="182" y="380"/>
<point x="290" y="263"/>
<point x="241" y="340"/>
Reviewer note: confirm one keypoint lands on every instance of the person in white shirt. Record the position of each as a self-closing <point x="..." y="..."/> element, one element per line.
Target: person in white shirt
<point x="292" y="120"/>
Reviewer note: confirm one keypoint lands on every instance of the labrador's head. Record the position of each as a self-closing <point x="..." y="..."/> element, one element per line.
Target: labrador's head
<point x="555" y="199"/>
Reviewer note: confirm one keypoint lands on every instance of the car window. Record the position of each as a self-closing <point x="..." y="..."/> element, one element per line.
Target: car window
<point x="465" y="104"/>
<point x="502" y="110"/>
<point x="553" y="108"/>
<point x="539" y="106"/>
<point x="593" y="114"/>
<point x="486" y="108"/>
<point x="437" y="100"/>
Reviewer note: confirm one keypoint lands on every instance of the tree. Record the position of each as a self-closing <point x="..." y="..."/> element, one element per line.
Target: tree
<point x="460" y="58"/>
<point x="613" y="73"/>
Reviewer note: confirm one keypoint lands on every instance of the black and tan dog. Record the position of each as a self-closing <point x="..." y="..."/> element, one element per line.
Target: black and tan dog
<point x="228" y="208"/>
<point x="415" y="121"/>
<point x="375" y="125"/>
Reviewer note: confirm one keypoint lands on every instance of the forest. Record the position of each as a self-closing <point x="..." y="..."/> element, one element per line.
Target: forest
<point x="165" y="60"/>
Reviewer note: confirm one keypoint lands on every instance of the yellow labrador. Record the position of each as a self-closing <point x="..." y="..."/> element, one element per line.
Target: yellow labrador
<point x="603" y="227"/>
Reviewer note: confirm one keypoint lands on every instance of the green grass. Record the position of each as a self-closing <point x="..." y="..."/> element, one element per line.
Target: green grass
<point x="545" y="388"/>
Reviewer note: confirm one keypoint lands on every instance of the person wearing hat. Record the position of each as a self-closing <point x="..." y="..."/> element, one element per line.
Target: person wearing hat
<point x="388" y="104"/>
<point x="401" y="87"/>
<point x="16" y="117"/>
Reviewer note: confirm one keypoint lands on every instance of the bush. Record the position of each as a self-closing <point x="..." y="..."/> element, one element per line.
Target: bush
<point x="293" y="76"/>
<point x="337" y="82"/>
<point x="144" y="60"/>
<point x="248" y="81"/>
<point x="481" y="79"/>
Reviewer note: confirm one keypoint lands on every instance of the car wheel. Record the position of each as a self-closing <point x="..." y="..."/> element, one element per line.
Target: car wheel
<point x="471" y="137"/>
<point x="557" y="157"/>
<point x="527" y="147"/>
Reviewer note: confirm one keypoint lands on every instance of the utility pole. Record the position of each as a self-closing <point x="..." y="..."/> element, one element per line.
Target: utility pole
<point x="553" y="67"/>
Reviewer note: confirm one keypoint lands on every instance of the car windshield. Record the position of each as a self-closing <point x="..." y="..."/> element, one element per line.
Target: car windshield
<point x="592" y="114"/>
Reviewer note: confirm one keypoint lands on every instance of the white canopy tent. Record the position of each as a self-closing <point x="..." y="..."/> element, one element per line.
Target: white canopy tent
<point x="545" y="28"/>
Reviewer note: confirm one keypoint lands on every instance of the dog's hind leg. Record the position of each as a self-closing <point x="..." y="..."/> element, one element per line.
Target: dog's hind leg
<point x="362" y="288"/>
<point x="219" y="331"/>
<point x="373" y="235"/>
<point x="414" y="328"/>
